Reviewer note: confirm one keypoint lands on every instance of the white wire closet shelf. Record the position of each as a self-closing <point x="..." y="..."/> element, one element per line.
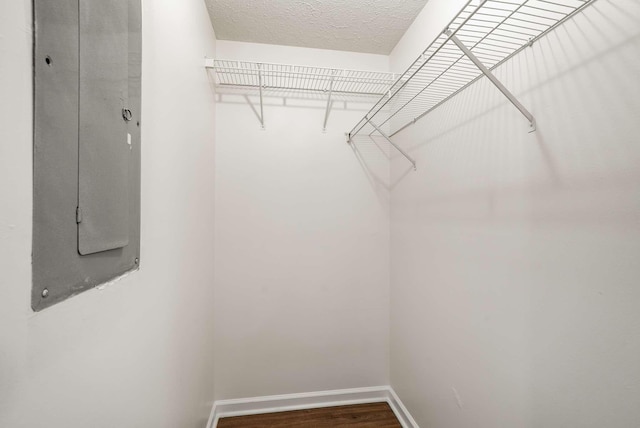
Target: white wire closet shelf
<point x="482" y="36"/>
<point x="287" y="77"/>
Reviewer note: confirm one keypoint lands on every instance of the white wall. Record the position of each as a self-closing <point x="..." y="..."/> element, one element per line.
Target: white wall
<point x="515" y="256"/>
<point x="301" y="268"/>
<point x="139" y="352"/>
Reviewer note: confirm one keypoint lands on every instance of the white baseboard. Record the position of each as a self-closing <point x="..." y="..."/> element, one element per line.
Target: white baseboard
<point x="311" y="400"/>
<point x="403" y="415"/>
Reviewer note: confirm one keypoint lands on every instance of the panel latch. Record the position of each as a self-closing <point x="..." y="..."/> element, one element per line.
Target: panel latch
<point x="127" y="115"/>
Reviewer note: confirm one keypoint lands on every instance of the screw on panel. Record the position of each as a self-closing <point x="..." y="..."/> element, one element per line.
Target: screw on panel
<point x="45" y="292"/>
<point x="137" y="261"/>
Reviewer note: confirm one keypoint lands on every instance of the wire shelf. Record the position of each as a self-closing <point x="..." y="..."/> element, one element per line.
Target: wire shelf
<point x="299" y="78"/>
<point x="492" y="32"/>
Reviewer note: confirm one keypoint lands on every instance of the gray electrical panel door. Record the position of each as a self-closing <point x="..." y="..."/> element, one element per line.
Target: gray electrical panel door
<point x="103" y="149"/>
<point x="86" y="155"/>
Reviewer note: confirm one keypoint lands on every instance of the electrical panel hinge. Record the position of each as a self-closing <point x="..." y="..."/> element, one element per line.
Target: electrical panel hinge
<point x="78" y="215"/>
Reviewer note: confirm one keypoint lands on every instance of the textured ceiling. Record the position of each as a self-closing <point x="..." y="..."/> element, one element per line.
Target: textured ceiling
<point x="372" y="26"/>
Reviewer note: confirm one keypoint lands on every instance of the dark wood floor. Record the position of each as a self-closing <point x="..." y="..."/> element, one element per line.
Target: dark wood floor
<point x="360" y="416"/>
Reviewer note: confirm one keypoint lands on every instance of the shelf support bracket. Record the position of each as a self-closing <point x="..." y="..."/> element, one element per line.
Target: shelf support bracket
<point x="413" y="162"/>
<point x="329" y="103"/>
<point x="493" y="79"/>
<point x="261" y="102"/>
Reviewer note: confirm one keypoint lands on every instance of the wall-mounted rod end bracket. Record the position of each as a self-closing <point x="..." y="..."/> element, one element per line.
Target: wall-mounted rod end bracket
<point x="532" y="126"/>
<point x="415" y="168"/>
<point x="530" y="43"/>
<point x="348" y="135"/>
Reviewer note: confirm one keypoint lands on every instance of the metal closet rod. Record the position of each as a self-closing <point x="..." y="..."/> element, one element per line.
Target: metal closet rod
<point x="317" y="76"/>
<point x="210" y="63"/>
<point x="290" y="88"/>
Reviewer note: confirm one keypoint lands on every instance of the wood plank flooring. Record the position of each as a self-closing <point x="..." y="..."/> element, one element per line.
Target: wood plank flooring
<point x="377" y="415"/>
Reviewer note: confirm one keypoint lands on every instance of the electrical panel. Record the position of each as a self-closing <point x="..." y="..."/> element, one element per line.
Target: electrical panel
<point x="86" y="219"/>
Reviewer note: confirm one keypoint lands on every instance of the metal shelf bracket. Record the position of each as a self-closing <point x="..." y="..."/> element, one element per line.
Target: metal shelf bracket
<point x="386" y="137"/>
<point x="261" y="101"/>
<point x="493" y="79"/>
<point x="329" y="102"/>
